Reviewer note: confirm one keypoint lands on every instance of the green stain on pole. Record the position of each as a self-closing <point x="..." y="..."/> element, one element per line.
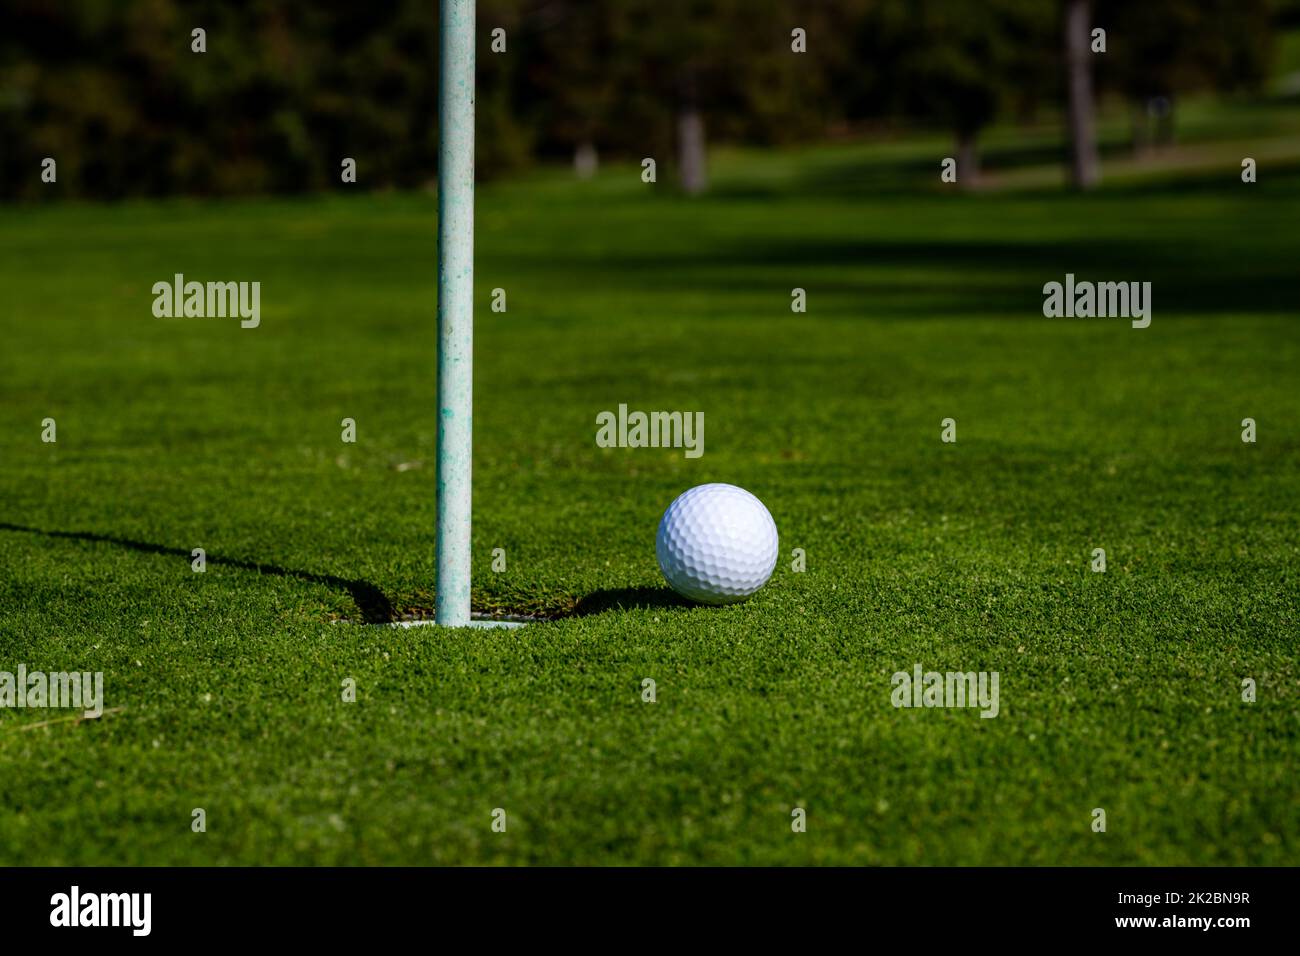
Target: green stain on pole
<point x="455" y="306"/>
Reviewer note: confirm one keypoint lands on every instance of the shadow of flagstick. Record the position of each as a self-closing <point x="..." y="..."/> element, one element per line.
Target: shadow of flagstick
<point x="375" y="607"/>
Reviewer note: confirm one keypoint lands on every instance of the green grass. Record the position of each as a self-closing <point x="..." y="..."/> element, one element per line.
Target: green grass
<point x="1118" y="690"/>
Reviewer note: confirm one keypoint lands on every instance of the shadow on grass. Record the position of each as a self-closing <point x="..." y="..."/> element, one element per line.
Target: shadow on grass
<point x="1231" y="273"/>
<point x="374" y="606"/>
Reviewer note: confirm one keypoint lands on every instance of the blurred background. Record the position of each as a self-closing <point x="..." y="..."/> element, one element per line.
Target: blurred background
<point x="285" y="89"/>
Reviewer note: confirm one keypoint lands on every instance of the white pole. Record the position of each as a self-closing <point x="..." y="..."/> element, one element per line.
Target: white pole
<point x="455" y="307"/>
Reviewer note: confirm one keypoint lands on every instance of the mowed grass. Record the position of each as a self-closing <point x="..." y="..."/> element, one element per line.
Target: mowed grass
<point x="1120" y="691"/>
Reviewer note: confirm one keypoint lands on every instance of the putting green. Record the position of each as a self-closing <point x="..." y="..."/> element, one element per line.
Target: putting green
<point x="1120" y="691"/>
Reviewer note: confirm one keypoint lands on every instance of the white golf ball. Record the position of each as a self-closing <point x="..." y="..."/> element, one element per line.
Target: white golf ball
<point x="716" y="544"/>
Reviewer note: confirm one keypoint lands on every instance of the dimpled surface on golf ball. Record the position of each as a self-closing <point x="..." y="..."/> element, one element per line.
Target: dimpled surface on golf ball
<point x="716" y="544"/>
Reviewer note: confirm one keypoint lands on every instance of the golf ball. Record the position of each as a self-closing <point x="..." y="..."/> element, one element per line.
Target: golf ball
<point x="716" y="544"/>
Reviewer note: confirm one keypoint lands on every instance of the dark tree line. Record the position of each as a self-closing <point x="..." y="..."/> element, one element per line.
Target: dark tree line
<point x="287" y="89"/>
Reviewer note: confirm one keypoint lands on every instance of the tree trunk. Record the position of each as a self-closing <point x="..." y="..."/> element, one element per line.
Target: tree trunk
<point x="968" y="159"/>
<point x="690" y="151"/>
<point x="1141" y="129"/>
<point x="585" y="160"/>
<point x="1084" y="169"/>
<point x="1165" y="121"/>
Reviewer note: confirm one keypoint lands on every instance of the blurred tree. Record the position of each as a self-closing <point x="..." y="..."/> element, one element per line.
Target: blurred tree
<point x="699" y="67"/>
<point x="1159" y="49"/>
<point x="959" y="64"/>
<point x="288" y="88"/>
<point x="1286" y="13"/>
<point x="1080" y="112"/>
<point x="688" y="50"/>
<point x="576" y="74"/>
